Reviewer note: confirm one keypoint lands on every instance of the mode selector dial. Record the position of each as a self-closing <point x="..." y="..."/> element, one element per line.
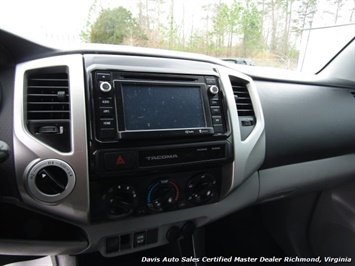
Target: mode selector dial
<point x="162" y="195"/>
<point x="200" y="188"/>
<point x="120" y="200"/>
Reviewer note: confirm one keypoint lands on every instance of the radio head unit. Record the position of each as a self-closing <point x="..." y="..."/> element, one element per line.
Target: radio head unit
<point x="156" y="106"/>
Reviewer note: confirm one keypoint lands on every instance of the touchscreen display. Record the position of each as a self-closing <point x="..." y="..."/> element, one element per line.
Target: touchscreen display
<point x="162" y="107"/>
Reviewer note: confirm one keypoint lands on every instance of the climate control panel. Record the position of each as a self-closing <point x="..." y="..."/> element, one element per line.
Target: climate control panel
<point x="153" y="193"/>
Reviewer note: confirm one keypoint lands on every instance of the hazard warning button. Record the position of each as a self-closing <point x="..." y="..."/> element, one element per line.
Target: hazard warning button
<point x="120" y="160"/>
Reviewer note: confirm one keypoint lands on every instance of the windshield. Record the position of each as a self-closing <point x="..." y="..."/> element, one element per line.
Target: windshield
<point x="291" y="34"/>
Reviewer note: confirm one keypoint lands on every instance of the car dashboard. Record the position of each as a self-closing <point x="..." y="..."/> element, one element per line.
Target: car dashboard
<point x="112" y="147"/>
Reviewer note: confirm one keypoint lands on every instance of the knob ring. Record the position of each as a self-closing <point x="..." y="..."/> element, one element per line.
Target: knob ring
<point x="102" y="86"/>
<point x="214" y="90"/>
<point x="34" y="191"/>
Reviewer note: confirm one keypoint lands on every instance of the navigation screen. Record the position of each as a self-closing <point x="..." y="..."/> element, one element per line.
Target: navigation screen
<point x="162" y="107"/>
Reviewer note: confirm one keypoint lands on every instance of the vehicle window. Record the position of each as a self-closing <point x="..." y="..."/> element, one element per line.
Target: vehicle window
<point x="298" y="35"/>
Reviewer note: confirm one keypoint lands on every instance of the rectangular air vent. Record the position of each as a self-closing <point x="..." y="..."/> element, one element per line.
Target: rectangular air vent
<point x="48" y="107"/>
<point x="48" y="96"/>
<point x="242" y="99"/>
<point x="244" y="106"/>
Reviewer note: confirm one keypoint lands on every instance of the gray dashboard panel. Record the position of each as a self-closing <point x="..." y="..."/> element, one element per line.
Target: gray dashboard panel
<point x="305" y="122"/>
<point x="44" y="248"/>
<point x="279" y="182"/>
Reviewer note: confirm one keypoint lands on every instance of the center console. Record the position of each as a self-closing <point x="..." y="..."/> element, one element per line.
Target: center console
<point x="158" y="142"/>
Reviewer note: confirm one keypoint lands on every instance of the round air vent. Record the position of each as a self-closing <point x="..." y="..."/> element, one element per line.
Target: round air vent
<point x="50" y="180"/>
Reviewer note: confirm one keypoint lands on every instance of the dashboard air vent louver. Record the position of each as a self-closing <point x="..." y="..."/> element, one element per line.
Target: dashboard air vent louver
<point x="242" y="99"/>
<point x="48" y="96"/>
<point x="48" y="106"/>
<point x="246" y="115"/>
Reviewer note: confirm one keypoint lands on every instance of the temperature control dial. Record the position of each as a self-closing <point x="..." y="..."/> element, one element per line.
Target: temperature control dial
<point x="162" y="195"/>
<point x="200" y="188"/>
<point x="120" y="200"/>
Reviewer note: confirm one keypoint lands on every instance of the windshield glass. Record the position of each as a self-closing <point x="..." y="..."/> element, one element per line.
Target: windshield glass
<point x="291" y="34"/>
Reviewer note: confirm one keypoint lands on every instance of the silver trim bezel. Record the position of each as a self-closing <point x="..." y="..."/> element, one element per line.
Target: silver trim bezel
<point x="249" y="154"/>
<point x="27" y="148"/>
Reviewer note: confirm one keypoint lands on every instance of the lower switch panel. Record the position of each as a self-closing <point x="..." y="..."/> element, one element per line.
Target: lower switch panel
<point x="131" y="240"/>
<point x="139" y="239"/>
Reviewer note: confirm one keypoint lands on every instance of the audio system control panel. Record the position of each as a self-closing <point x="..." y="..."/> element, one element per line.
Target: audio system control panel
<point x="158" y="142"/>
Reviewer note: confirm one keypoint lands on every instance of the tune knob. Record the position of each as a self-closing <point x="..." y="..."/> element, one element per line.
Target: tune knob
<point x="120" y="200"/>
<point x="162" y="195"/>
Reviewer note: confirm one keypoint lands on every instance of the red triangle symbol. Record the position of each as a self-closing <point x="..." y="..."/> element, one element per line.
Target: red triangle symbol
<point x="120" y="160"/>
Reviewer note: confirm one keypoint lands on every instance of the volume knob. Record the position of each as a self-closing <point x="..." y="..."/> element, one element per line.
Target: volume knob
<point x="105" y="86"/>
<point x="213" y="90"/>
